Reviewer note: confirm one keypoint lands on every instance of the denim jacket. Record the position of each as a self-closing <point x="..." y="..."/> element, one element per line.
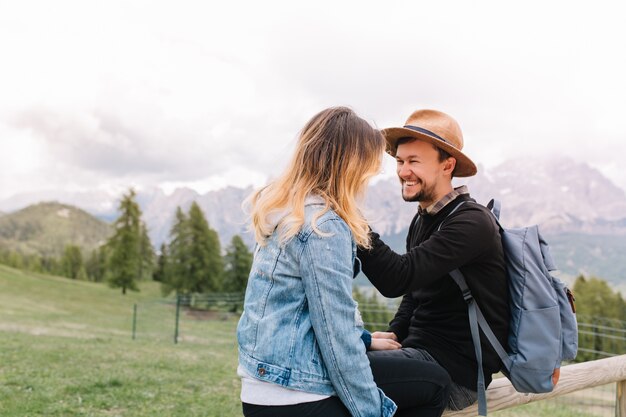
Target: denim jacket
<point x="300" y="326"/>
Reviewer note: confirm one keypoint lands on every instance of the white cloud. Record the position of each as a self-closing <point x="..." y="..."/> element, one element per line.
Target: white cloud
<point x="204" y="94"/>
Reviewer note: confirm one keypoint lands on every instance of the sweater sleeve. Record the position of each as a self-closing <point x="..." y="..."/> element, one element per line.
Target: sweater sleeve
<point x="366" y="337"/>
<point x="461" y="239"/>
<point x="401" y="321"/>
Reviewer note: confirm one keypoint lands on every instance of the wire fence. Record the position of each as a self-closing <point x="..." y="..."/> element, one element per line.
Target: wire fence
<point x="599" y="337"/>
<point x="183" y="319"/>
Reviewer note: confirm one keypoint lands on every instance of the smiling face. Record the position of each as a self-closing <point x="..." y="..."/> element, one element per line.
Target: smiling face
<point x="424" y="176"/>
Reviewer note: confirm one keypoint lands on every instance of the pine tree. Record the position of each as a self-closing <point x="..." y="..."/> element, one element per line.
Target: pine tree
<point x="206" y="265"/>
<point x="177" y="265"/>
<point x="161" y="265"/>
<point x="146" y="252"/>
<point x="81" y="275"/>
<point x="238" y="261"/>
<point x="96" y="264"/>
<point x="51" y="265"/>
<point x="194" y="263"/>
<point x="72" y="261"/>
<point x="128" y="260"/>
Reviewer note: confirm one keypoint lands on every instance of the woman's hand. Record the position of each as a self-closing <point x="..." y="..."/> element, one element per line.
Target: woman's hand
<point x="385" y="335"/>
<point x="384" y="341"/>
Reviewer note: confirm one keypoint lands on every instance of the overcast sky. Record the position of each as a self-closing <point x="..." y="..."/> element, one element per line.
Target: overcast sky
<point x="107" y="94"/>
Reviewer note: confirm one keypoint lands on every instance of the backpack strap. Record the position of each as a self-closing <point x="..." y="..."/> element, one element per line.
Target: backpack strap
<point x="473" y="322"/>
<point x="449" y="214"/>
<point x="477" y="320"/>
<point x="495" y="206"/>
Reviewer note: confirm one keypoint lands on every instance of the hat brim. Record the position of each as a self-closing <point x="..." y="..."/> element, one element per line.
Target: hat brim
<point x="464" y="166"/>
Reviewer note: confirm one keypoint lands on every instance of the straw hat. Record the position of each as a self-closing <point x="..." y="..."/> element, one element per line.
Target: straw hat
<point x="437" y="128"/>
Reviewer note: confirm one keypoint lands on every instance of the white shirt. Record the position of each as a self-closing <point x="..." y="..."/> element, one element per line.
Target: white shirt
<point x="257" y="392"/>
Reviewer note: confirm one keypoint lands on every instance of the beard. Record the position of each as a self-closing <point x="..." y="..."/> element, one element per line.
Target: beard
<point x="425" y="193"/>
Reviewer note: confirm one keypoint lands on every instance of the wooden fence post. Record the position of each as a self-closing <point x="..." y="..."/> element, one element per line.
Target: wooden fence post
<point x="620" y="400"/>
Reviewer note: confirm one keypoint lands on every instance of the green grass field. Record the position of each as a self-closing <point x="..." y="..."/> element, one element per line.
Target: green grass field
<point x="66" y="349"/>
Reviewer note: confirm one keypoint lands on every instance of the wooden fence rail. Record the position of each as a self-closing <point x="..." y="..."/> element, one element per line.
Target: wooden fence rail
<point x="576" y="377"/>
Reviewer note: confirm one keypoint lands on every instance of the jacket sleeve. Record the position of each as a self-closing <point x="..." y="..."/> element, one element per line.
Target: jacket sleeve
<point x="366" y="337"/>
<point x="460" y="240"/>
<point x="401" y="321"/>
<point x="326" y="268"/>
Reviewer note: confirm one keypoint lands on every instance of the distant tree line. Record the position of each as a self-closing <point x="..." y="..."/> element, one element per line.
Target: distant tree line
<point x="191" y="263"/>
<point x="71" y="264"/>
<point x="601" y="314"/>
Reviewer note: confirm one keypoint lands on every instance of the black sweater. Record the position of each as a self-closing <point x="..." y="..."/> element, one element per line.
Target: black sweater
<point x="433" y="314"/>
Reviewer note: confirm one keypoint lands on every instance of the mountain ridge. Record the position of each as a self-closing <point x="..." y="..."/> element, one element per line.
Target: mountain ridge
<point x="45" y="228"/>
<point x="565" y="197"/>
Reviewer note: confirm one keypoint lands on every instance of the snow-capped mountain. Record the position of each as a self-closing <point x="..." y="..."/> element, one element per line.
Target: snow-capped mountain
<point x="561" y="195"/>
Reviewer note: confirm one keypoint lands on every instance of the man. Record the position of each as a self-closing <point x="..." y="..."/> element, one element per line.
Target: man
<point x="432" y="321"/>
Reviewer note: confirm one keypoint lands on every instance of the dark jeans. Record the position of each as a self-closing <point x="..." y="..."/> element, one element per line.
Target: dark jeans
<point x="460" y="396"/>
<point x="419" y="389"/>
<point x="330" y="407"/>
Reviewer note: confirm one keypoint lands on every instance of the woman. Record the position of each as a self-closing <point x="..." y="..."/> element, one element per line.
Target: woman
<point x="300" y="347"/>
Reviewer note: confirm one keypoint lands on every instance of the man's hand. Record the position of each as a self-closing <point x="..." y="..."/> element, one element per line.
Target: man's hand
<point x="384" y="344"/>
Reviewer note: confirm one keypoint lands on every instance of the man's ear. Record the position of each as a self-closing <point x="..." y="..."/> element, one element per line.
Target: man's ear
<point x="449" y="165"/>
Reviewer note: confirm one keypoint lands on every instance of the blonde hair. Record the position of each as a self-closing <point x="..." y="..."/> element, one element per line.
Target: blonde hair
<point x="336" y="155"/>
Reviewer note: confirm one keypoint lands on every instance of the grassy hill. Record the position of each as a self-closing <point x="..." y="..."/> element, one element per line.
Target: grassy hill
<point x="66" y="350"/>
<point x="46" y="228"/>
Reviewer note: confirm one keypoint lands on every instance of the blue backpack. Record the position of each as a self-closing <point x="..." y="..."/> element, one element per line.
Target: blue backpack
<point x="543" y="329"/>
